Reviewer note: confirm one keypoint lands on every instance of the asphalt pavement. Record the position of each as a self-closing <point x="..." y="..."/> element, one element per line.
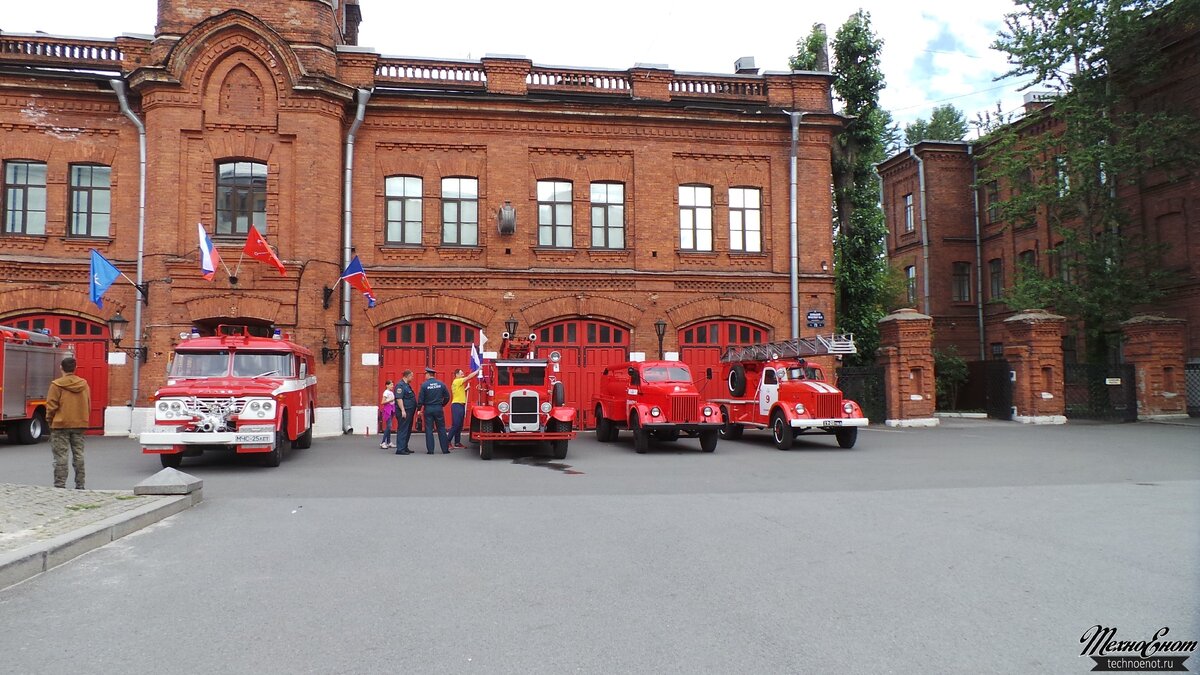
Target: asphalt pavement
<point x="978" y="546"/>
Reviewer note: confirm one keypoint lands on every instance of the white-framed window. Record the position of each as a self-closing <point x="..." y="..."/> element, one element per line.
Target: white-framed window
<point x="745" y="219"/>
<point x="695" y="218"/>
<point x="608" y="215"/>
<point x="90" y="200"/>
<point x="25" y="198"/>
<point x="910" y="284"/>
<point x="908" y="213"/>
<point x="403" y="208"/>
<point x="460" y="211"/>
<point x="241" y="197"/>
<point x="554" y="214"/>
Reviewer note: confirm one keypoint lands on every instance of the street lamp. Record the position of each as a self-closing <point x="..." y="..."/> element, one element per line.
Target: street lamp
<point x="511" y="326"/>
<point x="342" y="333"/>
<point x="116" y="329"/>
<point x="660" y="329"/>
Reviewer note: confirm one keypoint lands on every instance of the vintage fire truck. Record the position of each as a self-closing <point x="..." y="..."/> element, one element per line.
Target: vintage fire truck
<point x="234" y="392"/>
<point x="656" y="400"/>
<point x="773" y="386"/>
<point x="28" y="363"/>
<point x="519" y="399"/>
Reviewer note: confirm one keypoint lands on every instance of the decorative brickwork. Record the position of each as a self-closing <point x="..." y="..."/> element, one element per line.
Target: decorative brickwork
<point x="1154" y="345"/>
<point x="906" y="354"/>
<point x="1033" y="348"/>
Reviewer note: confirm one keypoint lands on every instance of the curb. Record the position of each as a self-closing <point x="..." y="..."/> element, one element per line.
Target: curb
<point x="29" y="561"/>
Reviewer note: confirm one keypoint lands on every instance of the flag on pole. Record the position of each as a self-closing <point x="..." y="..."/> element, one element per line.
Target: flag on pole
<point x="482" y="340"/>
<point x="209" y="257"/>
<point x="357" y="278"/>
<point x="257" y="248"/>
<point x="102" y="275"/>
<point x="476" y="362"/>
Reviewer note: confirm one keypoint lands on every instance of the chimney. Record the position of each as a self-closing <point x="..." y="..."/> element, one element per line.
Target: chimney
<point x="1036" y="100"/>
<point x="353" y="17"/>
<point x="745" y="66"/>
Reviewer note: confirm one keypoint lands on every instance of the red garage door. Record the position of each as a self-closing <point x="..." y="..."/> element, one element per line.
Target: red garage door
<point x="89" y="341"/>
<point x="443" y="343"/>
<point x="587" y="346"/>
<point x="701" y="345"/>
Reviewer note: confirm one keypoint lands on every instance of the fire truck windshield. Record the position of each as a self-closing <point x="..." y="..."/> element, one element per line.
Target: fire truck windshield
<point x="200" y="364"/>
<point x="667" y="374"/>
<point x="521" y="375"/>
<point x="254" y="364"/>
<point x="806" y="373"/>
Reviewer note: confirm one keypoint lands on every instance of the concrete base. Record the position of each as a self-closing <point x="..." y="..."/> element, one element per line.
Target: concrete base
<point x="1043" y="419"/>
<point x="169" y="482"/>
<point x="919" y="422"/>
<point x="1168" y="416"/>
<point x="963" y="415"/>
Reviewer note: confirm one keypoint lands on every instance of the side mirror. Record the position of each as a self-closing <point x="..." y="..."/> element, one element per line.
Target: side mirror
<point x="708" y="373"/>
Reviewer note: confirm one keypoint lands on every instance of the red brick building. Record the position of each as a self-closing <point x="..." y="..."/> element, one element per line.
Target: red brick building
<point x="960" y="255"/>
<point x="636" y="196"/>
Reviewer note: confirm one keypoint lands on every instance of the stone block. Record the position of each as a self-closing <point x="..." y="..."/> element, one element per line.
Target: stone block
<point x="169" y="482"/>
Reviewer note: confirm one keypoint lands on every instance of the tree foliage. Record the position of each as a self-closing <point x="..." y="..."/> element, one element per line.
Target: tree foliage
<point x="945" y="123"/>
<point x="811" y="52"/>
<point x="1072" y="162"/>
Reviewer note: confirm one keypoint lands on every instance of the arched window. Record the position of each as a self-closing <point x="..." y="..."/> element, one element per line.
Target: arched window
<point x="241" y="197"/>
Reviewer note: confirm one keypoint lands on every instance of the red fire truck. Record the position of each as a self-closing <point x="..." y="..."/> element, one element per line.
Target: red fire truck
<point x="28" y="363"/>
<point x="655" y="400"/>
<point x="773" y="386"/>
<point x="519" y="399"/>
<point x="234" y="392"/>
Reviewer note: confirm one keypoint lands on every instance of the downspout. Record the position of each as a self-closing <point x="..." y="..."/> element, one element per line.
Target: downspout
<point x="978" y="250"/>
<point x="362" y="97"/>
<point x="925" y="305"/>
<point x="793" y="230"/>
<point x="119" y="87"/>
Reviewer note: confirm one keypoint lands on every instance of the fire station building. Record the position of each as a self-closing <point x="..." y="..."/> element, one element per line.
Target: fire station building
<point x="606" y="211"/>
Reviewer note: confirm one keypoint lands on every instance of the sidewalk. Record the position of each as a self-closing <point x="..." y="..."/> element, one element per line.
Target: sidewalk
<point x="42" y="527"/>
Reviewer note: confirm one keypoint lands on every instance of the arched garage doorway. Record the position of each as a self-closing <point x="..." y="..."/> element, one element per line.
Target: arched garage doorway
<point x="701" y="345"/>
<point x="444" y="344"/>
<point x="89" y="341"/>
<point x="586" y="345"/>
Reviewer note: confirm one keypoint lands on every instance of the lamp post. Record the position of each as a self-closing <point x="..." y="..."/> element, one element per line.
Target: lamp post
<point x="511" y="326"/>
<point x="116" y="330"/>
<point x="342" y="334"/>
<point x="660" y="329"/>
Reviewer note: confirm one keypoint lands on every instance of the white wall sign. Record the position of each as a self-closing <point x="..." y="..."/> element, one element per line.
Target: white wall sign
<point x="370" y="359"/>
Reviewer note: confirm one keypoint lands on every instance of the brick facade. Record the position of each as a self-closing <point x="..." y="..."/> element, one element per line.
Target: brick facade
<point x="1154" y="346"/>
<point x="906" y="355"/>
<point x="1033" y="349"/>
<point x="274" y="83"/>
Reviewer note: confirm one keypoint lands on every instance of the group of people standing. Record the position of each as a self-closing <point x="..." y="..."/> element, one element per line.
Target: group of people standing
<point x="400" y="403"/>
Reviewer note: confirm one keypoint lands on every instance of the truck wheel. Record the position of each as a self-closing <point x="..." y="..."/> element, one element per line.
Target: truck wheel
<point x="28" y="431"/>
<point x="486" y="448"/>
<point x="605" y="430"/>
<point x="558" y="394"/>
<point x="847" y="437"/>
<point x="275" y="456"/>
<point x="304" y="440"/>
<point x="730" y="431"/>
<point x="641" y="437"/>
<point x="171" y="460"/>
<point x="781" y="432"/>
<point x="708" y="441"/>
<point x="558" y="449"/>
<point x="737" y="380"/>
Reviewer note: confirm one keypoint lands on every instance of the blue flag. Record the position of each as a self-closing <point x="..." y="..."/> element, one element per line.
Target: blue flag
<point x="103" y="274"/>
<point x="357" y="277"/>
<point x="475" y="360"/>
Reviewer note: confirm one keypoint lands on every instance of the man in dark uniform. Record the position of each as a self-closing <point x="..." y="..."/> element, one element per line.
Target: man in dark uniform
<point x="406" y="410"/>
<point x="433" y="395"/>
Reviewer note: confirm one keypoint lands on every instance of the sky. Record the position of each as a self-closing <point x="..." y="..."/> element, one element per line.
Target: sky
<point x="934" y="51"/>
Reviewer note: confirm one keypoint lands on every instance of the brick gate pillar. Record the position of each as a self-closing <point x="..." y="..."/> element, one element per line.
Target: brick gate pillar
<point x="1033" y="348"/>
<point x="1154" y="345"/>
<point x="906" y="355"/>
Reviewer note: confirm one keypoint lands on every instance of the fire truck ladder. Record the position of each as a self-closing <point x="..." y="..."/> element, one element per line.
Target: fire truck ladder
<point x="818" y="345"/>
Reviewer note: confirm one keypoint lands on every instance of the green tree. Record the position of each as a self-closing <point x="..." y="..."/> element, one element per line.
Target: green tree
<point x="950" y="373"/>
<point x="862" y="269"/>
<point x="1095" y="57"/>
<point x="945" y="123"/>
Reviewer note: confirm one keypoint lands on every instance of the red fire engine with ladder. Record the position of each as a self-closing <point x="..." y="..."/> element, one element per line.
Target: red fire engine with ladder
<point x="773" y="386"/>
<point x="29" y="361"/>
<point x="521" y="400"/>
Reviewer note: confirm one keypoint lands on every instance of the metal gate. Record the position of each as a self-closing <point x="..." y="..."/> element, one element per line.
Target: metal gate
<point x="1100" y="391"/>
<point x="1191" y="373"/>
<point x="998" y="389"/>
<point x="865" y="385"/>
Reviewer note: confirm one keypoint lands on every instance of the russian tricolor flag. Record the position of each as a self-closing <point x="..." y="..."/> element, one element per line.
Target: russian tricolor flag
<point x="209" y="257"/>
<point x="357" y="277"/>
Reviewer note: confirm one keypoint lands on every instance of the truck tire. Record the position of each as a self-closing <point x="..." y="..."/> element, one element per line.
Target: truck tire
<point x="28" y="432"/>
<point x="708" y="441"/>
<point x="781" y="432"/>
<point x="606" y="431"/>
<point x="275" y="456"/>
<point x="728" y="430"/>
<point x="847" y="437"/>
<point x="304" y="440"/>
<point x="558" y="394"/>
<point x="737" y="380"/>
<point x="171" y="460"/>
<point x="487" y="448"/>
<point x="558" y="449"/>
<point x="641" y="437"/>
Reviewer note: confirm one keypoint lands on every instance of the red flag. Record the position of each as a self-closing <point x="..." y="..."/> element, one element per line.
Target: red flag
<point x="257" y="248"/>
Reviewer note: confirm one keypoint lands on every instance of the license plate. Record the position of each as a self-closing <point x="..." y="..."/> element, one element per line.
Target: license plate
<point x="247" y="439"/>
<point x="832" y="423"/>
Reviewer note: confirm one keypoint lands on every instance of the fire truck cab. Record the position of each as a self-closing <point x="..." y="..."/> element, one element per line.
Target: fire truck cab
<point x="28" y="363"/>
<point x="655" y="400"/>
<point x="773" y="386"/>
<point x="519" y="399"/>
<point x="234" y="392"/>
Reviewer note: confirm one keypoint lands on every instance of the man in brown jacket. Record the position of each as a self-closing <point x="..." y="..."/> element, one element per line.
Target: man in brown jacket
<point x="68" y="405"/>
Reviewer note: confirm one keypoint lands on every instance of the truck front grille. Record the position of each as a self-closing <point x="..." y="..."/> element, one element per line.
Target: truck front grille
<point x="828" y="406"/>
<point x="524" y="410"/>
<point x="685" y="408"/>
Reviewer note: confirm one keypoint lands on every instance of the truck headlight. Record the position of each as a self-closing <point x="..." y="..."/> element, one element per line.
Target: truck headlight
<point x="708" y="411"/>
<point x="848" y="407"/>
<point x="176" y="406"/>
<point x="268" y="406"/>
<point x="254" y="405"/>
<point x="503" y="406"/>
<point x="655" y="412"/>
<point x="164" y="406"/>
<point x="799" y="408"/>
<point x="546" y="407"/>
